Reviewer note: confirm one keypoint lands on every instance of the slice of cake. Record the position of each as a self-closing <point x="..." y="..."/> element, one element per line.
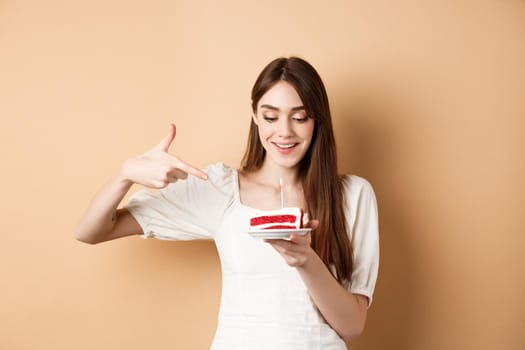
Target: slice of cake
<point x="286" y="218"/>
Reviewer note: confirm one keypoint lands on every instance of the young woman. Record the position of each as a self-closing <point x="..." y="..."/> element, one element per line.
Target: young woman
<point x="305" y="292"/>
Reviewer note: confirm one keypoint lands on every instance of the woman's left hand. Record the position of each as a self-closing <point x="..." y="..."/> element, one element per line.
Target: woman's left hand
<point x="297" y="250"/>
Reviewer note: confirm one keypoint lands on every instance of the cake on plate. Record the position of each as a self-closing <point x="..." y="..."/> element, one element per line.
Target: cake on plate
<point x="282" y="219"/>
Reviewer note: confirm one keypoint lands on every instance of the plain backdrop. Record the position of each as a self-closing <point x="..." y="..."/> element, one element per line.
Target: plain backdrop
<point x="428" y="101"/>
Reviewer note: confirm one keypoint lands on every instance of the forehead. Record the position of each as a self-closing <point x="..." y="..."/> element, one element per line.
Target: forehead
<point x="282" y="95"/>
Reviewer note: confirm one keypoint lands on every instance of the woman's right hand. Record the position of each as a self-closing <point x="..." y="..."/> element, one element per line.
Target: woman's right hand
<point x="157" y="168"/>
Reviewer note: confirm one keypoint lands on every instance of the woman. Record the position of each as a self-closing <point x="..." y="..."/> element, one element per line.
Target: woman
<point x="305" y="292"/>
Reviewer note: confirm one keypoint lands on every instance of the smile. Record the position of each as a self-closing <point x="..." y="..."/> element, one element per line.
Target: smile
<point x="285" y="147"/>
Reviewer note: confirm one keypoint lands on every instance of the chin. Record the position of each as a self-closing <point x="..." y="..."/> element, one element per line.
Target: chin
<point x="286" y="164"/>
<point x="284" y="161"/>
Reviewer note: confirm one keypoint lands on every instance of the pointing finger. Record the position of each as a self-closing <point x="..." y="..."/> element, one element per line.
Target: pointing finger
<point x="191" y="170"/>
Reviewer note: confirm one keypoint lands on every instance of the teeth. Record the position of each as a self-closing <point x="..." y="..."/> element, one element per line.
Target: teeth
<point x="285" y="146"/>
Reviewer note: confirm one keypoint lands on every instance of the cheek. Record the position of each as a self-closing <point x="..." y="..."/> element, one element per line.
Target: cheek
<point x="264" y="131"/>
<point x="308" y="132"/>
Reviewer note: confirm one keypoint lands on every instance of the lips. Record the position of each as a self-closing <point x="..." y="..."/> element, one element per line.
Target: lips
<point x="285" y="148"/>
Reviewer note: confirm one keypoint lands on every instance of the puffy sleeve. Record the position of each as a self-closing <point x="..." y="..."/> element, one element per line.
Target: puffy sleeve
<point x="362" y="223"/>
<point x="186" y="210"/>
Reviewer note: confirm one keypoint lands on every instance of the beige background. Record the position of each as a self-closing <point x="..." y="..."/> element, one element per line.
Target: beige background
<point x="428" y="100"/>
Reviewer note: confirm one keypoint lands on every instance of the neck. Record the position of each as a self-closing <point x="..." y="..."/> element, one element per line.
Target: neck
<point x="272" y="173"/>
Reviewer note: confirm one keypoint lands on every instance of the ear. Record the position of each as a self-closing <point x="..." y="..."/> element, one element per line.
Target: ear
<point x="254" y="118"/>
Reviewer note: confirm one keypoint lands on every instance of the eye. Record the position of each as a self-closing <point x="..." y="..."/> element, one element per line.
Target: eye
<point x="269" y="119"/>
<point x="301" y="119"/>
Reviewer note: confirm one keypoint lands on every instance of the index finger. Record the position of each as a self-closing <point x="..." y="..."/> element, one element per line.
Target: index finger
<point x="190" y="169"/>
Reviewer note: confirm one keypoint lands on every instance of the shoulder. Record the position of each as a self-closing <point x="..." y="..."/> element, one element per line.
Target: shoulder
<point x="221" y="177"/>
<point x="216" y="190"/>
<point x="354" y="185"/>
<point x="219" y="170"/>
<point x="358" y="194"/>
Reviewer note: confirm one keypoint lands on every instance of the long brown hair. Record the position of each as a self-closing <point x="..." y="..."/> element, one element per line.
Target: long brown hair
<point x="322" y="186"/>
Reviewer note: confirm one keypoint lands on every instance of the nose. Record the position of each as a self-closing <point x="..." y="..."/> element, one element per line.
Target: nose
<point x="284" y="128"/>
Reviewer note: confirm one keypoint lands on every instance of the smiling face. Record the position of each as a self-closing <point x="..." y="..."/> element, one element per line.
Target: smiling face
<point x="285" y="130"/>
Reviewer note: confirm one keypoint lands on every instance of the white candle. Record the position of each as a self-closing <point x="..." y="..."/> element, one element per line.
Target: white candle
<point x="282" y="194"/>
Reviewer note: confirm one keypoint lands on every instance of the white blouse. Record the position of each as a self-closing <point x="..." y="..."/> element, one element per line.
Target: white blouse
<point x="264" y="303"/>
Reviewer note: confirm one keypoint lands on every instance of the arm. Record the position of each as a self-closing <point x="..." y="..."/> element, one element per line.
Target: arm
<point x="155" y="169"/>
<point x="102" y="221"/>
<point x="343" y="311"/>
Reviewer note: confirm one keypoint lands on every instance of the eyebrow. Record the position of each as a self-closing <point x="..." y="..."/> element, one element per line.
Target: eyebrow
<point x="293" y="109"/>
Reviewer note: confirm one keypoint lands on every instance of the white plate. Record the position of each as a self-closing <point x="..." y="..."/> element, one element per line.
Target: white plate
<point x="278" y="233"/>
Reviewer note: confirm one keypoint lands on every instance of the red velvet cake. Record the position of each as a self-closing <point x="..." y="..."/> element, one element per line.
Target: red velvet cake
<point x="286" y="218"/>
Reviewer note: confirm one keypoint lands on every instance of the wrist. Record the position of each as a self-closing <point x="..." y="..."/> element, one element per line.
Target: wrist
<point x="123" y="176"/>
<point x="310" y="259"/>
